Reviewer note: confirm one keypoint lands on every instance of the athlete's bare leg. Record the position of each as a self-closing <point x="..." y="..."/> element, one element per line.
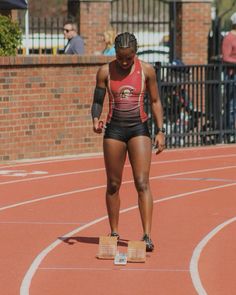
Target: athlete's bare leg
<point x="140" y="152"/>
<point x="114" y="155"/>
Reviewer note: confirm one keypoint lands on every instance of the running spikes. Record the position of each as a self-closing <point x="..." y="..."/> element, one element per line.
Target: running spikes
<point x="114" y="234"/>
<point x="149" y="243"/>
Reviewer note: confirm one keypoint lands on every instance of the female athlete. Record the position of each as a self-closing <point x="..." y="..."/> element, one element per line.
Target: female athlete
<point x="126" y="131"/>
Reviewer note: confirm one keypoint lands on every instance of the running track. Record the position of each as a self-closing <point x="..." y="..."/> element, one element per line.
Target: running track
<point x="52" y="212"/>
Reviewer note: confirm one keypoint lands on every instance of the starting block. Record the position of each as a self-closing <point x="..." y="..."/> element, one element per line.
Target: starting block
<point x="136" y="251"/>
<point x="108" y="250"/>
<point x="107" y="247"/>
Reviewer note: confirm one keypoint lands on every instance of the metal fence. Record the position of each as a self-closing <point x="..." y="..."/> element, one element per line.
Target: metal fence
<point x="199" y="104"/>
<point x="45" y="35"/>
<point x="150" y="21"/>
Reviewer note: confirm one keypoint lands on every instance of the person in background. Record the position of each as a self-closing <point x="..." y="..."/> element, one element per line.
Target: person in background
<point x="109" y="37"/>
<point x="75" y="44"/>
<point x="229" y="43"/>
<point x="127" y="79"/>
<point x="229" y="56"/>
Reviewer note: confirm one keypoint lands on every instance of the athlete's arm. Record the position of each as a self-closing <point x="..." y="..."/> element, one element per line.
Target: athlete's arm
<point x="98" y="97"/>
<point x="155" y="101"/>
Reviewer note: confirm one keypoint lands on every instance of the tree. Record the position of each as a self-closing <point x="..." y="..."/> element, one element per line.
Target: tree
<point x="10" y="36"/>
<point x="224" y="10"/>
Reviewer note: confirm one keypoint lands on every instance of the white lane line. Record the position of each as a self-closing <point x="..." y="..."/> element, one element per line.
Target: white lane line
<point x="202" y="179"/>
<point x="51" y="197"/>
<point x="49" y="160"/>
<point x="103" y="168"/>
<point x="52" y="175"/>
<point x="42" y="223"/>
<point x="104" y="186"/>
<point x="194" y="159"/>
<point x="28" y="162"/>
<point x="197" y="253"/>
<point x="112" y="268"/>
<point x="20" y="173"/>
<point x="25" y="285"/>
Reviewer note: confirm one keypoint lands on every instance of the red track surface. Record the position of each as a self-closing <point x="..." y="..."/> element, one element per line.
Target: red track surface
<point x="53" y="212"/>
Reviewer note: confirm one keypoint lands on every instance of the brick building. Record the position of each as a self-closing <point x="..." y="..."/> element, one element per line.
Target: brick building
<point x="45" y="100"/>
<point x="48" y="8"/>
<point x="193" y="22"/>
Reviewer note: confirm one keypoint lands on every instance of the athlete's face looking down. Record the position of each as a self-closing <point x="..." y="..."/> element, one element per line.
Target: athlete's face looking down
<point x="125" y="57"/>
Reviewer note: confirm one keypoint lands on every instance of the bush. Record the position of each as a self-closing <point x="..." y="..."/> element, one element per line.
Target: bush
<point x="10" y="36"/>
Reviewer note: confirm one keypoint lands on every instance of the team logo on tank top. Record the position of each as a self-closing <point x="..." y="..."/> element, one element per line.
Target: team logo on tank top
<point x="125" y="91"/>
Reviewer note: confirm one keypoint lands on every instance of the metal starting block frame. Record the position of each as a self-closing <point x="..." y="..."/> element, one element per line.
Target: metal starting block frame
<point x="108" y="250"/>
<point x="136" y="251"/>
<point x="107" y="247"/>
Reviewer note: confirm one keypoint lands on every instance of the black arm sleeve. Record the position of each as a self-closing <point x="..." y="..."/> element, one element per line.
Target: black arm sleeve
<point x="98" y="99"/>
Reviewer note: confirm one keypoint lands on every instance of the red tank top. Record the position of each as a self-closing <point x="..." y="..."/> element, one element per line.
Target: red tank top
<point x="126" y="96"/>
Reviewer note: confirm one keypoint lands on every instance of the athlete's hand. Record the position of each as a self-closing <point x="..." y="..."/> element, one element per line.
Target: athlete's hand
<point x="159" y="142"/>
<point x="97" y="126"/>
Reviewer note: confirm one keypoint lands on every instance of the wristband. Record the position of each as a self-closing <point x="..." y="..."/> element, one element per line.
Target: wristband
<point x="162" y="130"/>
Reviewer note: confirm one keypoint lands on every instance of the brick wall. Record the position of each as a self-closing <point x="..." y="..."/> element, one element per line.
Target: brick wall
<point x="94" y="20"/>
<point x="45" y="106"/>
<point x="48" y="8"/>
<point x="94" y="16"/>
<point x="193" y="24"/>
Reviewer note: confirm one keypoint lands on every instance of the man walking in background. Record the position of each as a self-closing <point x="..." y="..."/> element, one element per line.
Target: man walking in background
<point x="75" y="44"/>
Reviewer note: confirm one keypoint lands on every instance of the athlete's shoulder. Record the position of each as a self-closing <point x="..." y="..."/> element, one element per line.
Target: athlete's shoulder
<point x="148" y="68"/>
<point x="103" y="71"/>
<point x="146" y="65"/>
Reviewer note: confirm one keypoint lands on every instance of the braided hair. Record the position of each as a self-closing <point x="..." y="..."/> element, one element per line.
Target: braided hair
<point x="126" y="40"/>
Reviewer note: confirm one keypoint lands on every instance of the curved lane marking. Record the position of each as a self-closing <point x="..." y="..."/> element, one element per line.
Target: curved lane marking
<point x="39" y="161"/>
<point x="103" y="186"/>
<point x="197" y="253"/>
<point x="103" y="169"/>
<point x="25" y="285"/>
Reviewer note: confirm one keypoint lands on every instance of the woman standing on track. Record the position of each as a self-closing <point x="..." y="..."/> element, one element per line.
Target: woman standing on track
<point x="126" y="79"/>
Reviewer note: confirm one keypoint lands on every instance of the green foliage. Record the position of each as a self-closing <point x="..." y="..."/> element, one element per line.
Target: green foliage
<point x="10" y="36"/>
<point x="225" y="8"/>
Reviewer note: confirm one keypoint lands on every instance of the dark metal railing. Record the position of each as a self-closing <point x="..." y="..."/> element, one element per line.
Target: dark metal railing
<point x="150" y="21"/>
<point x="199" y="104"/>
<point x="45" y="35"/>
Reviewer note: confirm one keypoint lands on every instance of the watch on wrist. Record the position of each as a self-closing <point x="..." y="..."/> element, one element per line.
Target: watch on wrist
<point x="162" y="130"/>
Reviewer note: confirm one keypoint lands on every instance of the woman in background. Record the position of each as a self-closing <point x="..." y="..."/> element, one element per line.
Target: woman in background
<point x="109" y="37"/>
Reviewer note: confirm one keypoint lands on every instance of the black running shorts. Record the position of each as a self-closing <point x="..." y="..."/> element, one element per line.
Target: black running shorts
<point x="126" y="133"/>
